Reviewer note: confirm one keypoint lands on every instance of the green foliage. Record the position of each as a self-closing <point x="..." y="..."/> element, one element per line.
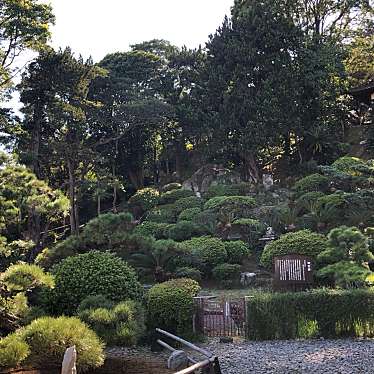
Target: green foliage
<point x="188" y="202"/>
<point x="227" y="275"/>
<point x="188" y="272"/>
<point x="95" y="302"/>
<point x="307" y="200"/>
<point x="208" y="252"/>
<point x="121" y="324"/>
<point x="48" y="338"/>
<point x="237" y="251"/>
<point x="170" y="306"/>
<point x="304" y="242"/>
<point x="25" y="277"/>
<point x="158" y="230"/>
<point x="349" y="165"/>
<point x="13" y="351"/>
<point x="144" y="200"/>
<point x="239" y="189"/>
<point x="208" y="219"/>
<point x="171" y="186"/>
<point x="171" y="197"/>
<point x="185" y="230"/>
<point x="91" y="274"/>
<point x="163" y="214"/>
<point x="323" y="312"/>
<point x="187" y="284"/>
<point x="311" y="183"/>
<point x="249" y="229"/>
<point x="189" y="214"/>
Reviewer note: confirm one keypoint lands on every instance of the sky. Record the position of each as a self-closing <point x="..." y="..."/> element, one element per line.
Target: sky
<point x="96" y="27"/>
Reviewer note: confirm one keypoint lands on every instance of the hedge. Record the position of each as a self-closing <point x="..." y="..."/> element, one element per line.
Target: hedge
<point x="319" y="313"/>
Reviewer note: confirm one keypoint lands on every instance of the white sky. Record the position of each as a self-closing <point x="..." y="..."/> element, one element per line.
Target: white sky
<point x="96" y="27"/>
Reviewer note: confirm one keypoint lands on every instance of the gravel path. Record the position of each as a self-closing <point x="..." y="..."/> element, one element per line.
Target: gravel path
<point x="312" y="356"/>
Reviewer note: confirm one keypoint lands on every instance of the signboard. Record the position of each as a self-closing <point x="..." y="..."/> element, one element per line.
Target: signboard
<point x="293" y="272"/>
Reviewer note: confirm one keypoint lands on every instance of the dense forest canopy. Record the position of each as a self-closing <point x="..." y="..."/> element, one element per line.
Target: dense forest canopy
<point x="269" y="92"/>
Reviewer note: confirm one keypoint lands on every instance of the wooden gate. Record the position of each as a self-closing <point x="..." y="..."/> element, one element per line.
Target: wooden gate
<point x="220" y="317"/>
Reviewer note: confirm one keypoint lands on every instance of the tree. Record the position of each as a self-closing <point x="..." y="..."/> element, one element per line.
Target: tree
<point x="24" y="24"/>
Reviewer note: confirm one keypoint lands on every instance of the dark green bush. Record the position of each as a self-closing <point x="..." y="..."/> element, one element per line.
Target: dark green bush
<point x="171" y="186"/>
<point x="163" y="214"/>
<point x="208" y="251"/>
<point x="310" y="183"/>
<point x="189" y="214"/>
<point x="13" y="351"/>
<point x="170" y="307"/>
<point x="92" y="274"/>
<point x="208" y="219"/>
<point x="143" y="200"/>
<point x="249" y="229"/>
<point x="158" y="230"/>
<point x="188" y="202"/>
<point x="304" y="242"/>
<point x="189" y="285"/>
<point x="94" y="302"/>
<point x="349" y="165"/>
<point x="227" y="275"/>
<point x="306" y="201"/>
<point x="184" y="230"/>
<point x="48" y="338"/>
<point x="237" y="251"/>
<point x="323" y="312"/>
<point x="239" y="189"/>
<point x="188" y="272"/>
<point x="171" y="197"/>
<point x="236" y="206"/>
<point x="121" y="324"/>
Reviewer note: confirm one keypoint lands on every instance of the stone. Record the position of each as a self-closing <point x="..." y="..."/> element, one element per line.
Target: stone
<point x="69" y="361"/>
<point x="247" y="278"/>
<point x="267" y="181"/>
<point x="178" y="360"/>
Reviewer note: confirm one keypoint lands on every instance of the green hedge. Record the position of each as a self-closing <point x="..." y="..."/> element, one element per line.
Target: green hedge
<point x="318" y="313"/>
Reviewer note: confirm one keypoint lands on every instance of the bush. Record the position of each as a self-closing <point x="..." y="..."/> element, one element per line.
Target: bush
<point x="249" y="229"/>
<point x="238" y="206"/>
<point x="304" y="242"/>
<point x="121" y="324"/>
<point x="189" y="214"/>
<point x="239" y="189"/>
<point x="171" y="197"/>
<point x="323" y="312"/>
<point x="184" y="230"/>
<point x="349" y="165"/>
<point x="163" y="214"/>
<point x="237" y="251"/>
<point x="209" y="252"/>
<point x="310" y="183"/>
<point x="91" y="274"/>
<point x="188" y="202"/>
<point x="158" y="230"/>
<point x="227" y="275"/>
<point x="13" y="351"/>
<point x="208" y="219"/>
<point x="48" y="338"/>
<point x="171" y="186"/>
<point x="190" y="285"/>
<point x="94" y="302"/>
<point x="143" y="200"/>
<point x="307" y="200"/>
<point x="170" y="308"/>
<point x="188" y="272"/>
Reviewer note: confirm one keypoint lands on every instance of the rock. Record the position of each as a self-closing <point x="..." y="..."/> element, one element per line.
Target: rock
<point x="178" y="360"/>
<point x="210" y="175"/>
<point x="69" y="361"/>
<point x="267" y="181"/>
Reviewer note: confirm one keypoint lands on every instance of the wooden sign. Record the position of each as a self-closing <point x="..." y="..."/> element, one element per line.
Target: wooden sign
<point x="293" y="272"/>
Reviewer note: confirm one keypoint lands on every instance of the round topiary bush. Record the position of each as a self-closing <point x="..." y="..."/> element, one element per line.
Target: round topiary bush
<point x="208" y="252"/>
<point x="237" y="251"/>
<point x="188" y="202"/>
<point x="304" y="242"/>
<point x="48" y="338"/>
<point x="188" y="272"/>
<point x="238" y="205"/>
<point x="237" y="189"/>
<point x="171" y="197"/>
<point x="349" y="165"/>
<point x="170" y="306"/>
<point x="91" y="274"/>
<point x="158" y="230"/>
<point x="184" y="230"/>
<point x="163" y="214"/>
<point x="189" y="214"/>
<point x="143" y="200"/>
<point x="313" y="182"/>
<point x="227" y="275"/>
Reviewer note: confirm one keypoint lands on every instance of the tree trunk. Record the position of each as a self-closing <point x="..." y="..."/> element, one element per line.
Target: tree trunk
<point x="251" y="167"/>
<point x="74" y="226"/>
<point x="179" y="158"/>
<point x="137" y="178"/>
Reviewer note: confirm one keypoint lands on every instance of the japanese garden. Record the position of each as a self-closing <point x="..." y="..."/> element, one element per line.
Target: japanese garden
<point x="219" y="198"/>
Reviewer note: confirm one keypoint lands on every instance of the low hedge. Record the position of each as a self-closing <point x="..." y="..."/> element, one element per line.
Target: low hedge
<point x="319" y="313"/>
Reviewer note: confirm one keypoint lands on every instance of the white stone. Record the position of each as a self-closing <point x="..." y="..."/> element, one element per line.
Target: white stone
<point x="69" y="361"/>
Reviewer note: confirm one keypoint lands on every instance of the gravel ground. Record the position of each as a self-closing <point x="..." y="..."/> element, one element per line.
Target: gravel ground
<point x="304" y="356"/>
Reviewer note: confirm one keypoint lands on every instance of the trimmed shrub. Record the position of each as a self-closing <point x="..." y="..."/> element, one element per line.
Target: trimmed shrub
<point x="303" y="242"/>
<point x="184" y="230"/>
<point x="310" y="183"/>
<point x="143" y="200"/>
<point x="188" y="272"/>
<point x="189" y="214"/>
<point x="305" y="201"/>
<point x="237" y="205"/>
<point x="163" y="214"/>
<point x="92" y="274"/>
<point x="188" y="202"/>
<point x="349" y="165"/>
<point x="227" y="275"/>
<point x="13" y="351"/>
<point x="190" y="285"/>
<point x="171" y="197"/>
<point x="48" y="338"/>
<point x="121" y="324"/>
<point x="208" y="219"/>
<point x="158" y="230"/>
<point x="208" y="251"/>
<point x="170" y="307"/>
<point x="237" y="251"/>
<point x="324" y="312"/>
<point x="239" y="189"/>
<point x="171" y="186"/>
<point x="250" y="229"/>
<point x="94" y="302"/>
